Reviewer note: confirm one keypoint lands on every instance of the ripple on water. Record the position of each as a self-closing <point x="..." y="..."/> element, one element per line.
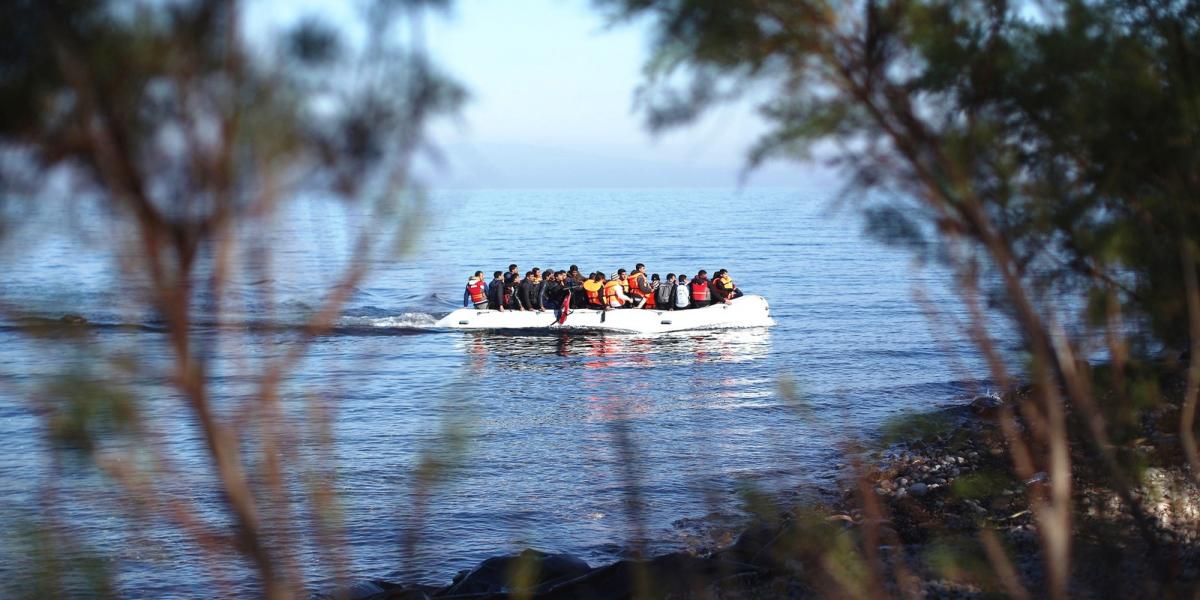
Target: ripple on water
<point x="540" y="440"/>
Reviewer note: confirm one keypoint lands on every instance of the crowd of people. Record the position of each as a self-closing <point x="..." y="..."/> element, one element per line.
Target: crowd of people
<point x="551" y="290"/>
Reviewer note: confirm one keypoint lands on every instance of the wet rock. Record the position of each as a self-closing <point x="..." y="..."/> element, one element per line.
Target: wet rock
<point x="986" y="406"/>
<point x="538" y="571"/>
<point x="389" y="591"/>
<point x="918" y="489"/>
<point x="675" y="575"/>
<point x="361" y="590"/>
<point x="73" y="319"/>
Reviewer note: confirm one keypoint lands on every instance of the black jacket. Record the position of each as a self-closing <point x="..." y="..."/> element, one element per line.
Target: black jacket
<point x="495" y="293"/>
<point x="539" y="293"/>
<point x="525" y="294"/>
<point x="556" y="293"/>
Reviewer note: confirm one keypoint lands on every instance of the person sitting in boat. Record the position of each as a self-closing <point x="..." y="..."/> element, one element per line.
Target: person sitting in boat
<point x="547" y="278"/>
<point x="723" y="287"/>
<point x="638" y="288"/>
<point x="593" y="291"/>
<point x="651" y="302"/>
<point x="712" y="286"/>
<point x="513" y="276"/>
<point x="683" y="295"/>
<point x="525" y="297"/>
<point x="511" y="301"/>
<point x="701" y="294"/>
<point x="575" y="281"/>
<point x="664" y="294"/>
<point x="495" y="291"/>
<point x="614" y="291"/>
<point x="535" y="293"/>
<point x="623" y="279"/>
<point x="476" y="291"/>
<point x="558" y="291"/>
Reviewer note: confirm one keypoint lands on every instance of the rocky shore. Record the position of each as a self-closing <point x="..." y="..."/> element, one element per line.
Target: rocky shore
<point x="937" y="513"/>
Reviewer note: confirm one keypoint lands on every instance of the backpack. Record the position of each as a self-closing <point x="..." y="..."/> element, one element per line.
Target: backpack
<point x="682" y="296"/>
<point x="662" y="294"/>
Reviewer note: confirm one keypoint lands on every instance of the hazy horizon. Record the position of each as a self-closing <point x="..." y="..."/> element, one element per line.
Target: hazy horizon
<point x="551" y="89"/>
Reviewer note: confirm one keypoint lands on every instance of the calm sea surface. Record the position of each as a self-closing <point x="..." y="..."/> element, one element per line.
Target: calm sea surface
<point x="563" y="443"/>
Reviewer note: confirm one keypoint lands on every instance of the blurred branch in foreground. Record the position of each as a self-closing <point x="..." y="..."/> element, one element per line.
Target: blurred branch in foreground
<point x="193" y="135"/>
<point x="1049" y="148"/>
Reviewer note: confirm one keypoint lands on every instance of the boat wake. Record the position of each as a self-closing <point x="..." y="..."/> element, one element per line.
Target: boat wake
<point x="745" y="312"/>
<point x="412" y="321"/>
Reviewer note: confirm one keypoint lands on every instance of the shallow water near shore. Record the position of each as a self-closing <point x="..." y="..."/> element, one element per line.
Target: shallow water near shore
<point x="565" y="443"/>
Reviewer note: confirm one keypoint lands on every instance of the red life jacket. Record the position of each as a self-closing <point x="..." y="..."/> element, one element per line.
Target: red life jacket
<point x="650" y="301"/>
<point x="635" y="284"/>
<point x="477" y="290"/>
<point x="699" y="290"/>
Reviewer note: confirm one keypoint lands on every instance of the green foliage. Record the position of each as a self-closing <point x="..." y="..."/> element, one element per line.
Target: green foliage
<point x="1073" y="124"/>
<point x="53" y="566"/>
<point x="163" y="109"/>
<point x="983" y="484"/>
<point x="914" y="426"/>
<point x="85" y="412"/>
<point x="189" y="130"/>
<point x="961" y="559"/>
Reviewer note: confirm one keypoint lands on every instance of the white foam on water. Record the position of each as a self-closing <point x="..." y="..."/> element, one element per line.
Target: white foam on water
<point x="408" y="320"/>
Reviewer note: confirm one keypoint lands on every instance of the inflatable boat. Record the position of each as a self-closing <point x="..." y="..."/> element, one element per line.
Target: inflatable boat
<point x="746" y="311"/>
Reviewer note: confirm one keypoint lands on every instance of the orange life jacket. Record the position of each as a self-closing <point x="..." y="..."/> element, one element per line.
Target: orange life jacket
<point x="650" y="303"/>
<point x="610" y="292"/>
<point x="635" y="284"/>
<point x="699" y="290"/>
<point x="477" y="290"/>
<point x="592" y="289"/>
<point x="625" y="284"/>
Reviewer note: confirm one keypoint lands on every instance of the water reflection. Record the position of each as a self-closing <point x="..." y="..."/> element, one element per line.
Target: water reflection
<point x="601" y="350"/>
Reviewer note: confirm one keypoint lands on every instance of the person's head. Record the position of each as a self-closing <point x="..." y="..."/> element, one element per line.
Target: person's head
<point x="701" y="273"/>
<point x="536" y="272"/>
<point x="498" y="274"/>
<point x="512" y="268"/>
<point x="597" y="276"/>
<point x="528" y="274"/>
<point x="640" y="268"/>
<point x="670" y="277"/>
<point x="574" y="269"/>
<point x="654" y="277"/>
<point x="561" y="275"/>
<point x="621" y="273"/>
<point x="479" y="274"/>
<point x="683" y="279"/>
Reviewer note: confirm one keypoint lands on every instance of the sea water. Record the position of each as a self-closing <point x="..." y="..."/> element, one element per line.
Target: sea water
<point x="565" y="443"/>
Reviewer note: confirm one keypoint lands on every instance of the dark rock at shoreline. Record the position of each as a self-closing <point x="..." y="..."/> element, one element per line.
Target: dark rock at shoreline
<point x="533" y="570"/>
<point x="678" y="575"/>
<point x="564" y="577"/>
<point x="987" y="406"/>
<point x="73" y="319"/>
<point x="380" y="590"/>
<point x="930" y="495"/>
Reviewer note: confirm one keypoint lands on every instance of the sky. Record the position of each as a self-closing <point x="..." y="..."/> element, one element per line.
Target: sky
<point x="551" y="105"/>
